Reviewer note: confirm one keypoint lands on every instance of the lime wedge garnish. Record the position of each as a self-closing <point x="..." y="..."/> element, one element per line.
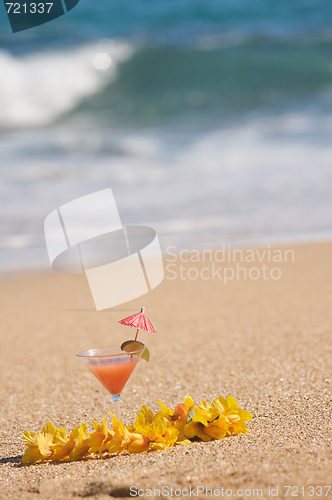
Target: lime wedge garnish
<point x="136" y="345"/>
<point x="132" y="345"/>
<point x="145" y="354"/>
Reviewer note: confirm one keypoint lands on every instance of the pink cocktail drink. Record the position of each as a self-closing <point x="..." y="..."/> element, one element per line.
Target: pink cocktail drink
<point x="112" y="367"/>
<point x="114" y="374"/>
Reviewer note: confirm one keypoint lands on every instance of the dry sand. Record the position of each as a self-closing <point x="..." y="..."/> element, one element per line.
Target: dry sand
<point x="266" y="342"/>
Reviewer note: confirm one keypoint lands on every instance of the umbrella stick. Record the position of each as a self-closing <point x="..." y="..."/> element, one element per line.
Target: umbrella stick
<point x="137" y="333"/>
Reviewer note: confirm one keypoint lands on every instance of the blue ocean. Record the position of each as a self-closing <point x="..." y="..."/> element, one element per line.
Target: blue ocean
<point x="211" y="120"/>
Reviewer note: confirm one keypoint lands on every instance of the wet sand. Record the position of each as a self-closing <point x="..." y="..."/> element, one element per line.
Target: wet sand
<point x="267" y="342"/>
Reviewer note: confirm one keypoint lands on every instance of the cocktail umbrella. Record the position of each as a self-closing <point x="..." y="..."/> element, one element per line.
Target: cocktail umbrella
<point x="139" y="321"/>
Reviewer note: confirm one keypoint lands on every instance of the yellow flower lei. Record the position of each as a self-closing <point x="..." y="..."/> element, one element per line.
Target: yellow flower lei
<point x="159" y="431"/>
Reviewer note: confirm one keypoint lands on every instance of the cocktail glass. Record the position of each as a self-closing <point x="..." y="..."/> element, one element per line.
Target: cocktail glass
<point x="112" y="367"/>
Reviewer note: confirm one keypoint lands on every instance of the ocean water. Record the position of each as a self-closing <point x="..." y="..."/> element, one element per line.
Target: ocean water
<point x="211" y="121"/>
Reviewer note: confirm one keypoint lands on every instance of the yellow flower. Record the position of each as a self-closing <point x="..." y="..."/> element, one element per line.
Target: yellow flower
<point x="176" y="419"/>
<point x="79" y="437"/>
<point x="164" y="412"/>
<point x="153" y="432"/>
<point x="163" y="434"/>
<point x="139" y="432"/>
<point x="218" y="428"/>
<point x="149" y="429"/>
<point x="63" y="445"/>
<point x="216" y="420"/>
<point x="32" y="452"/>
<point x="138" y="443"/>
<point x="119" y="437"/>
<point x="195" y="428"/>
<point x="204" y="405"/>
<point x="144" y="417"/>
<point x="182" y="411"/>
<point x="39" y="446"/>
<point x="179" y="426"/>
<point x="234" y="415"/>
<point x="97" y="439"/>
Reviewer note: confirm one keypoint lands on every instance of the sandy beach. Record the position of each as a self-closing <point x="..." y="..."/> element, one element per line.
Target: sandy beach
<point x="267" y="342"/>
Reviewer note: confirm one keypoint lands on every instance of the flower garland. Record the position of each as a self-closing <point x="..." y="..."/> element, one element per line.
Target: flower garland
<point x="149" y="432"/>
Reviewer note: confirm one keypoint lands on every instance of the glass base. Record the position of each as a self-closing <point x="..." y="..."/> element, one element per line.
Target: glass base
<point x="116" y="402"/>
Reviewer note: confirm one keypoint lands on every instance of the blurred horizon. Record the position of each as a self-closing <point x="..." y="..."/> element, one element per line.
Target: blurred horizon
<point x="211" y="121"/>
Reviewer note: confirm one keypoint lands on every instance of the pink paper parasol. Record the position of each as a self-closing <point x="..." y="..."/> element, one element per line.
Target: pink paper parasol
<point x="139" y="321"/>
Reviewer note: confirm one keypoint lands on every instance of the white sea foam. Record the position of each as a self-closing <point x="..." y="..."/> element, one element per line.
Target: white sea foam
<point x="37" y="88"/>
<point x="268" y="179"/>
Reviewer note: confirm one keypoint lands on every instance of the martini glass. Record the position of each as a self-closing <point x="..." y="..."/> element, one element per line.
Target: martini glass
<point x="112" y="367"/>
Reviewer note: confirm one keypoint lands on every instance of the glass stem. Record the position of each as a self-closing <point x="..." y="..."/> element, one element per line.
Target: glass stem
<point x="116" y="401"/>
